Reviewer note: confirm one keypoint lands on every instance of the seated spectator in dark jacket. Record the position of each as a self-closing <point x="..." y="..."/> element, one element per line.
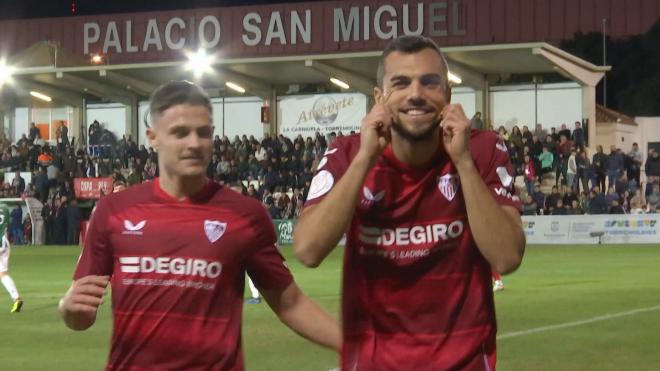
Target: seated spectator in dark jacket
<point x="559" y="209"/>
<point x="597" y="202"/>
<point x="616" y="208"/>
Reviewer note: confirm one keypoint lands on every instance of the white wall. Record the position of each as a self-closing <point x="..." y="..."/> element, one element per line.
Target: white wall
<point x="112" y="116"/>
<point x="466" y="98"/>
<point x="556" y="104"/>
<point x="242" y="115"/>
<point x="21" y="120"/>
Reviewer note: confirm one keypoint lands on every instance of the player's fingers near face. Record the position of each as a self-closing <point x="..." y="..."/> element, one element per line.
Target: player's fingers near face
<point x="101" y="281"/>
<point x="86" y="300"/>
<point x="84" y="308"/>
<point x="89" y="289"/>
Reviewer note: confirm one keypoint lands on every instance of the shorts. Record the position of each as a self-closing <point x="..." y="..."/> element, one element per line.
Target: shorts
<point x="4" y="255"/>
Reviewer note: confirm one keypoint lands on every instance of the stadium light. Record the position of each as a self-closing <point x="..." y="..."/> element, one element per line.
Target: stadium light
<point x="97" y="59"/>
<point x="339" y="83"/>
<point x="199" y="63"/>
<point x="454" y="78"/>
<point x="5" y="72"/>
<point x="235" y="87"/>
<point x="41" y="96"/>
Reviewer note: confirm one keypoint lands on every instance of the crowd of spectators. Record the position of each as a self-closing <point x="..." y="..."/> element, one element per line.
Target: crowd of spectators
<point x="278" y="171"/>
<point x="603" y="184"/>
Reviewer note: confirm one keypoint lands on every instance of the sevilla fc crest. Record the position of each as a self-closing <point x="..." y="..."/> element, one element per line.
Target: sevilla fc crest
<point x="214" y="229"/>
<point x="448" y="185"/>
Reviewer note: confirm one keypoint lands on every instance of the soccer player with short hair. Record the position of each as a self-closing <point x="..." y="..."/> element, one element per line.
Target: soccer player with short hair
<point x="5" y="278"/>
<point x="175" y="252"/>
<point x="429" y="207"/>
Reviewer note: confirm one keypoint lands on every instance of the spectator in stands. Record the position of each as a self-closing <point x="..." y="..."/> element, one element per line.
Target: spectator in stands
<point x="529" y="174"/>
<point x="622" y="184"/>
<point x="597" y="202"/>
<point x="33" y="133"/>
<point x="612" y="196"/>
<point x="529" y="206"/>
<point x="551" y="200"/>
<point x="600" y="165"/>
<point x="565" y="132"/>
<point x="63" y="138"/>
<point x="653" y="199"/>
<point x="539" y="198"/>
<point x="42" y="185"/>
<point x="635" y="164"/>
<point x="73" y="219"/>
<point x="546" y="158"/>
<point x="584" y="172"/>
<point x="568" y="195"/>
<point x="578" y="136"/>
<point x="571" y="171"/>
<point x="614" y="166"/>
<point x="476" y="122"/>
<point x="61" y="226"/>
<point x="16" y="225"/>
<point x="574" y="208"/>
<point x="637" y="203"/>
<point x="45" y="159"/>
<point x="616" y="208"/>
<point x="18" y="184"/>
<point x="652" y="166"/>
<point x="46" y="215"/>
<point x="559" y="208"/>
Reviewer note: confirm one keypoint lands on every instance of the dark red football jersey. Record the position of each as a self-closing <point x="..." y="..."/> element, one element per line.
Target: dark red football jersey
<point x="178" y="272"/>
<point x="416" y="290"/>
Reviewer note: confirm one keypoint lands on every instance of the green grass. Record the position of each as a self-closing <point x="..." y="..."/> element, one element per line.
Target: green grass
<point x="555" y="285"/>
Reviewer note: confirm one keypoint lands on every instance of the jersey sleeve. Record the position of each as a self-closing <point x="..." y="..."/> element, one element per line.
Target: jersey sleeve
<point x="265" y="265"/>
<point x="330" y="169"/>
<point x="96" y="257"/>
<point x="498" y="174"/>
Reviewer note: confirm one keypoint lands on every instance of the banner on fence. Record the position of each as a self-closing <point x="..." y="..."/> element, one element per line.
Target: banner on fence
<point x="592" y="229"/>
<point x="91" y="188"/>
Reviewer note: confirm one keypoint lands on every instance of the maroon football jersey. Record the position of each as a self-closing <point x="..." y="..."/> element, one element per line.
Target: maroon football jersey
<point x="416" y="290"/>
<point x="178" y="272"/>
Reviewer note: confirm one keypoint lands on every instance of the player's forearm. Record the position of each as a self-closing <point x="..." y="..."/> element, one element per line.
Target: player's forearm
<point x="320" y="228"/>
<point x="310" y="321"/>
<point x="498" y="236"/>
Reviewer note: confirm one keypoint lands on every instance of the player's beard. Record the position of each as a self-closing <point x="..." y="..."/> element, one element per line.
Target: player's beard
<point x="416" y="137"/>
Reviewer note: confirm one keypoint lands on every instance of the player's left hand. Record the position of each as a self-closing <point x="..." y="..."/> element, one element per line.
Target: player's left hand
<point x="456" y="134"/>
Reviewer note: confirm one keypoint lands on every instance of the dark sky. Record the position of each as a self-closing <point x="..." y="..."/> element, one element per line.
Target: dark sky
<point x="14" y="9"/>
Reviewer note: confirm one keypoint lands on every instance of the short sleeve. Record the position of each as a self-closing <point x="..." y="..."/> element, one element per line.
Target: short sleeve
<point x="498" y="175"/>
<point x="331" y="168"/>
<point x="97" y="257"/>
<point x="265" y="265"/>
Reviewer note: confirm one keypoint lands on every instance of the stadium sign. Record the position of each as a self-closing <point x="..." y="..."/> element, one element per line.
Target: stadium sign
<point x="307" y="114"/>
<point x="244" y="31"/>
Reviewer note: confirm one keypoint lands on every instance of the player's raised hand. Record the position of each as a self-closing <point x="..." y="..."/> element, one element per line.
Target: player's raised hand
<point x="375" y="132"/>
<point x="83" y="299"/>
<point x="456" y="133"/>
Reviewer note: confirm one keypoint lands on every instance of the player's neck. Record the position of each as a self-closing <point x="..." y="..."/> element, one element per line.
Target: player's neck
<point x="181" y="188"/>
<point x="415" y="153"/>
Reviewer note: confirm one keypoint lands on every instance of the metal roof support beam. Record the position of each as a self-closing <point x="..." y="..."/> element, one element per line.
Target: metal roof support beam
<point x="69" y="98"/>
<point x="140" y="87"/>
<point x="358" y="82"/>
<point x="99" y="90"/>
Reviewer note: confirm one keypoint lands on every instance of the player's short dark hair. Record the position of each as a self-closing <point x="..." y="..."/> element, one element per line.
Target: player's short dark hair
<point x="174" y="93"/>
<point x="409" y="44"/>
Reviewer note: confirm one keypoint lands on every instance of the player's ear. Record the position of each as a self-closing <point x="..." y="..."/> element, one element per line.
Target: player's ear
<point x="151" y="136"/>
<point x="378" y="94"/>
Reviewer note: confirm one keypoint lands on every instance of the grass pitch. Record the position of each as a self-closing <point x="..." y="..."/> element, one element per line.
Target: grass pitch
<point x="567" y="308"/>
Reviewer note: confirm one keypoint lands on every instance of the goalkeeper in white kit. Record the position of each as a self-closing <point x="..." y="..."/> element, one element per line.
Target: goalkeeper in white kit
<point x="5" y="278"/>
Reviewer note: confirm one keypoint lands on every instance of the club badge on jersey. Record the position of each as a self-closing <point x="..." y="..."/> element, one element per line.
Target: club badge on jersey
<point x="214" y="229"/>
<point x="448" y="185"/>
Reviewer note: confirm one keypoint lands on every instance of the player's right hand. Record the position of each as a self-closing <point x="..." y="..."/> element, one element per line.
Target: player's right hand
<point x="375" y="131"/>
<point x="85" y="295"/>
